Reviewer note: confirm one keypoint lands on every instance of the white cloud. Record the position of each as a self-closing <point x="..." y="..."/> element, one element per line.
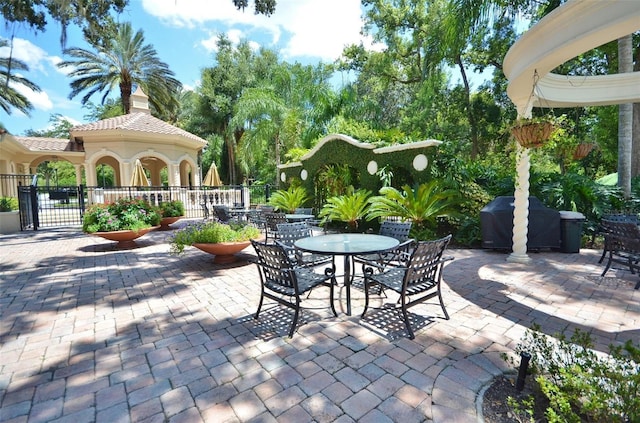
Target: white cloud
<point x="29" y="53"/>
<point x="40" y="100"/>
<point x="309" y="28"/>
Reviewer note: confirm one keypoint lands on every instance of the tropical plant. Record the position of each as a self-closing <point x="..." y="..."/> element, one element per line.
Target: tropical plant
<point x="173" y="208"/>
<point x="422" y="206"/>
<point x="580" y="384"/>
<point x="122" y="62"/>
<point x="9" y="96"/>
<point x="8" y="204"/>
<point x="124" y="214"/>
<point x="349" y="208"/>
<point x="212" y="233"/>
<point x="289" y="200"/>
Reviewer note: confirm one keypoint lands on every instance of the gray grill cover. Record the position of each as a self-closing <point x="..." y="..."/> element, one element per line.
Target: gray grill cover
<point x="496" y="222"/>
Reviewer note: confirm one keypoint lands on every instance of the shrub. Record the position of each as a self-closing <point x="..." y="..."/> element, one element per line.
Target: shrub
<point x="582" y="385"/>
<point x="174" y="208"/>
<point x="211" y="233"/>
<point x="288" y="201"/>
<point x="124" y="214"/>
<point x="8" y="204"/>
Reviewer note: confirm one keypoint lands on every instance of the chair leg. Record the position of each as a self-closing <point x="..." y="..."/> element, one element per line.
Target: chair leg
<point x="446" y="315"/>
<point x="405" y="316"/>
<point x="608" y="264"/>
<point x="604" y="253"/>
<point x="332" y="283"/>
<point x="259" y="304"/>
<point x="366" y="296"/>
<point x="295" y="319"/>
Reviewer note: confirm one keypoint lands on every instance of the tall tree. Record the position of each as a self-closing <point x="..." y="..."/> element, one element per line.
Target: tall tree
<point x="125" y="60"/>
<point x="236" y="69"/>
<point x="625" y="119"/>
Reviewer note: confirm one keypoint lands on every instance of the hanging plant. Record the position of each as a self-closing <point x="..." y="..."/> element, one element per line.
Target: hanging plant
<point x="532" y="133"/>
<point x="582" y="150"/>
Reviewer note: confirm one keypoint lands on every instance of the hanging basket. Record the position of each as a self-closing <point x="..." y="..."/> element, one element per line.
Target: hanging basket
<point x="582" y="150"/>
<point x="532" y="134"/>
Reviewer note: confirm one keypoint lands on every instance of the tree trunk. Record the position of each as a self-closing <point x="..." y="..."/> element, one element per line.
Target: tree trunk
<point x="473" y="125"/>
<point x="277" y="160"/>
<point x="625" y="119"/>
<point x="125" y="95"/>
<point x="635" y="157"/>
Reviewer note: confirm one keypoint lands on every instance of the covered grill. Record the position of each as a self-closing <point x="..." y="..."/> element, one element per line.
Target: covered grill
<point x="496" y="222"/>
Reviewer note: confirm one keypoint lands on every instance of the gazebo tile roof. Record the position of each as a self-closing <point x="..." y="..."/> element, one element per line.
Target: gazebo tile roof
<point x="136" y="122"/>
<point x="45" y="143"/>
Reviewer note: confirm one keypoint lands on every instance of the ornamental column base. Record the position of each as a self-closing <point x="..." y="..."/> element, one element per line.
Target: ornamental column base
<point x="518" y="258"/>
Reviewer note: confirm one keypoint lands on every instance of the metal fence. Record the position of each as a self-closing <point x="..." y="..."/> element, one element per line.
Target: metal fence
<point x="9" y="184"/>
<point x="65" y="205"/>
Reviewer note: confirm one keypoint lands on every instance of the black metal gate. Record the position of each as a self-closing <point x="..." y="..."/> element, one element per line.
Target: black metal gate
<point x="49" y="207"/>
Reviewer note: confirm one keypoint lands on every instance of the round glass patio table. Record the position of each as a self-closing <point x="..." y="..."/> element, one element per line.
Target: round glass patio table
<point x="347" y="245"/>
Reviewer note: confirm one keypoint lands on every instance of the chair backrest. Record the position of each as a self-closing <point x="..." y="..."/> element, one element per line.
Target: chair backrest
<point x="275" y="267"/>
<point x="619" y="217"/>
<point x="621" y="229"/>
<point x="222" y="213"/>
<point x="397" y="230"/>
<point x="272" y="220"/>
<point x="424" y="266"/>
<point x="304" y="210"/>
<point x="291" y="232"/>
<point x="266" y="209"/>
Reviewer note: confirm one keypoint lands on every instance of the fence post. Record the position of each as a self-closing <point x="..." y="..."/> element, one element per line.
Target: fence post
<point x="34" y="207"/>
<point x="81" y="200"/>
<point x="267" y="193"/>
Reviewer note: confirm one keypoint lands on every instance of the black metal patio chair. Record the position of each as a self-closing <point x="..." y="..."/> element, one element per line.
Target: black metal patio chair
<point x="288" y="234"/>
<point x="416" y="282"/>
<point x="271" y="224"/>
<point x="397" y="256"/>
<point x="284" y="282"/>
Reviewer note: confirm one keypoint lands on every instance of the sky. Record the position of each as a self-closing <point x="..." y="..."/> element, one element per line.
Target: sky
<point x="183" y="32"/>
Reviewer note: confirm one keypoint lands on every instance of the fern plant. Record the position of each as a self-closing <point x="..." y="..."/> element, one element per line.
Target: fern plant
<point x="422" y="206"/>
<point x="349" y="208"/>
<point x="289" y="200"/>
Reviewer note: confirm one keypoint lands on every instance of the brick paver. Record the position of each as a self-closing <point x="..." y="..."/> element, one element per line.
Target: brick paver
<point x="91" y="333"/>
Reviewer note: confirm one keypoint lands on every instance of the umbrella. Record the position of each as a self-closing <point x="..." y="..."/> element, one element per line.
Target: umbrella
<point x="212" y="178"/>
<point x="139" y="178"/>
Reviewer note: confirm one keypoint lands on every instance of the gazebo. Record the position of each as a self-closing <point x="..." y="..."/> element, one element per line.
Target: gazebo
<point x="117" y="142"/>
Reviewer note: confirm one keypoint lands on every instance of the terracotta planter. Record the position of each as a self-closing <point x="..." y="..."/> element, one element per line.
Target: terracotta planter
<point x="125" y="239"/>
<point x="223" y="251"/>
<point x="532" y="134"/>
<point x="166" y="221"/>
<point x="582" y="150"/>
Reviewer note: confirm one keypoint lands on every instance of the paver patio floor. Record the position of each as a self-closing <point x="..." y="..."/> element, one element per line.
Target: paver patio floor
<point x="89" y="333"/>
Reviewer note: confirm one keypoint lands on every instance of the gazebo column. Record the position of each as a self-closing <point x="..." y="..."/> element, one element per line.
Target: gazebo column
<point x="90" y="173"/>
<point x="26" y="169"/>
<point x="78" y="173"/>
<point x="521" y="196"/>
<point x="174" y="174"/>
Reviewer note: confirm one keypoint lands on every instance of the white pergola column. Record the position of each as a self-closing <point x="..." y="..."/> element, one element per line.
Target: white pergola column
<point x="521" y="195"/>
<point x="573" y="28"/>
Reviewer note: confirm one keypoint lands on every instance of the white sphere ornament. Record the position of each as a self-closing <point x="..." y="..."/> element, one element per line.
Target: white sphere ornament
<point x="420" y="162"/>
<point x="372" y="167"/>
<point x="283" y="177"/>
<point x="304" y="174"/>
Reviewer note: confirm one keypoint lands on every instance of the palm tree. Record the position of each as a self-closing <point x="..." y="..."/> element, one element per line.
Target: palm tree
<point x="9" y="96"/>
<point x="123" y="61"/>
